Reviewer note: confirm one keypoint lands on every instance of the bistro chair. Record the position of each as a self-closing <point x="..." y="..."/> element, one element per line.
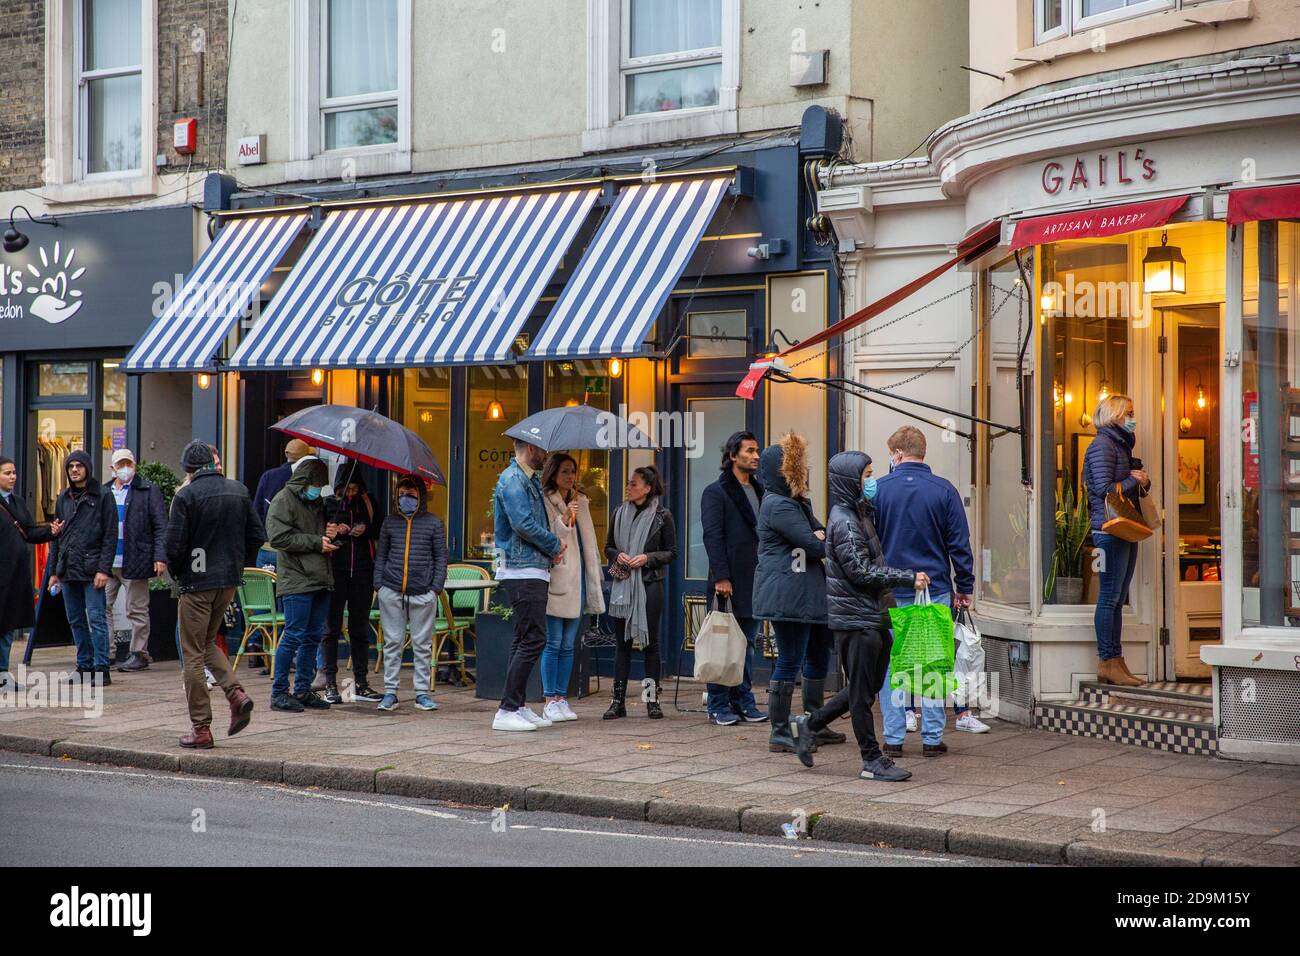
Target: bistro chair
<point x="378" y="625"/>
<point x="256" y="594"/>
<point x="449" y="633"/>
<point x="466" y="604"/>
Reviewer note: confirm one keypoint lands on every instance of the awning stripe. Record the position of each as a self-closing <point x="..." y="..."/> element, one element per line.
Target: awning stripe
<point x="435" y="282"/>
<point x="629" y="269"/>
<point x="228" y="275"/>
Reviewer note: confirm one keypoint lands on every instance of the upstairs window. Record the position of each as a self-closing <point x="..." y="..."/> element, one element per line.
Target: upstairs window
<point x="109" y="86"/>
<point x="360" y="88"/>
<point x="671" y="56"/>
<point x="1058" y="18"/>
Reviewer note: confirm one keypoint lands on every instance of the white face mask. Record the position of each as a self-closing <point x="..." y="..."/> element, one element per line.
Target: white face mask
<point x="124" y="475"/>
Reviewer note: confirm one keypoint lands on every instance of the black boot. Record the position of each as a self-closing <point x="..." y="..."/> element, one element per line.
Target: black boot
<point x="779" y="693"/>
<point x="617" y="708"/>
<point x="652" y="708"/>
<point x="814" y="696"/>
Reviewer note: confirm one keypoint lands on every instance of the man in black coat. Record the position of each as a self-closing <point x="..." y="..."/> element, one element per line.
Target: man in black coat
<point x="141" y="551"/>
<point x="17" y="532"/>
<point x="729" y="515"/>
<point x="81" y="561"/>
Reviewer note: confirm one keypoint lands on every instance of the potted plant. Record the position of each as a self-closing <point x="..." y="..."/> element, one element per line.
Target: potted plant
<point x="494" y="633"/>
<point x="1065" y="581"/>
<point x="162" y="599"/>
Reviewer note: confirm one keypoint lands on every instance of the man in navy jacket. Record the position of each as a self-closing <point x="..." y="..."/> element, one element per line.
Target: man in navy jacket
<point x="922" y="526"/>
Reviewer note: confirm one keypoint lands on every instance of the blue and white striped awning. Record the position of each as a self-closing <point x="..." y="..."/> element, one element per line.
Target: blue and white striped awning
<point x="421" y="283"/>
<point x="629" y="269"/>
<point x="219" y="289"/>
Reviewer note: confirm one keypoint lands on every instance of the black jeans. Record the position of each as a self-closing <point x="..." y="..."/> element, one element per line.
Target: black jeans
<point x="865" y="656"/>
<point x="654" y="606"/>
<point x="355" y="592"/>
<point x="528" y="599"/>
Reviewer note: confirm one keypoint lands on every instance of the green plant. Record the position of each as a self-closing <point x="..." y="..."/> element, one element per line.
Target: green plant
<point x="163" y="477"/>
<point x="1071" y="531"/>
<point x="503" y="611"/>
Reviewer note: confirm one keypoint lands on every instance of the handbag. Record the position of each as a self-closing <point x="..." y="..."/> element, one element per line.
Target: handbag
<point x="720" y="648"/>
<point x="1150" y="513"/>
<point x="921" y="661"/>
<point x="1122" y="519"/>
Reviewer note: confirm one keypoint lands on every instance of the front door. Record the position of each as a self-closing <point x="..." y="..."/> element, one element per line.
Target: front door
<point x="1193" y="559"/>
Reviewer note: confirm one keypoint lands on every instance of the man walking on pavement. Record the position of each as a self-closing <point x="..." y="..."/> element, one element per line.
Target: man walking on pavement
<point x="729" y="515"/>
<point x="212" y="535"/>
<point x="141" y="552"/>
<point x="922" y="526"/>
<point x="525" y="551"/>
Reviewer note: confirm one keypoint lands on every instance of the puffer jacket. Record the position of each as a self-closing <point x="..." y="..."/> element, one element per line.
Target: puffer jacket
<point x="295" y="527"/>
<point x="87" y="543"/>
<point x="858" y="582"/>
<point x="1107" y="463"/>
<point x="411" y="557"/>
<point x="788" y="586"/>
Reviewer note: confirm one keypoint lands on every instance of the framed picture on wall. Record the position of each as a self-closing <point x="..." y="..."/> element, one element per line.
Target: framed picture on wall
<point x="1191" y="471"/>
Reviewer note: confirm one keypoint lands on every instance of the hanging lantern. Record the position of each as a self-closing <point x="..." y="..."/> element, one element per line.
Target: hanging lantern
<point x="495" y="411"/>
<point x="1164" y="269"/>
<point x="1200" y="397"/>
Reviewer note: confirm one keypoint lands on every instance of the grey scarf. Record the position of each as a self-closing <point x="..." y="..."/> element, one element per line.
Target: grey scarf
<point x="627" y="596"/>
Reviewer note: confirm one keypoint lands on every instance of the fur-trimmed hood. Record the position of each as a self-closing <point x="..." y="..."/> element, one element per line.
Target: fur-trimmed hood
<point x="783" y="467"/>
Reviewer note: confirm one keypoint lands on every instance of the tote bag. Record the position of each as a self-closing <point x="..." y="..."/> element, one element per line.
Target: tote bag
<point x="921" y="662"/>
<point x="1122" y="519"/>
<point x="720" y="648"/>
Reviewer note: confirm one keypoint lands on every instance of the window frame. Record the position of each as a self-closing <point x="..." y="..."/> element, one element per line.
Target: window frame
<point x="327" y="104"/>
<point x="630" y="65"/>
<point x="1075" y="22"/>
<point x="79" y="89"/>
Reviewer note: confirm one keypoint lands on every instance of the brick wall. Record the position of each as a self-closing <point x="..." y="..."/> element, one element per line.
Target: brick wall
<point x="22" y="93"/>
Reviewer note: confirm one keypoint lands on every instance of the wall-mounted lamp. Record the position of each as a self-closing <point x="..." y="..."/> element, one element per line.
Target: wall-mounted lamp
<point x="1164" y="269"/>
<point x="204" y="381"/>
<point x="615" y="367"/>
<point x="15" y="241"/>
<point x="318" y="377"/>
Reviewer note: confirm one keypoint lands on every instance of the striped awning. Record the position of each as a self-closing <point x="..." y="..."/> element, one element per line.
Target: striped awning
<point x="441" y="282"/>
<point x="216" y="293"/>
<point x="629" y="269"/>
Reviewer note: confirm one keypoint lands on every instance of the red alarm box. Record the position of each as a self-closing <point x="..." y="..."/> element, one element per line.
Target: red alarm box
<point x="185" y="134"/>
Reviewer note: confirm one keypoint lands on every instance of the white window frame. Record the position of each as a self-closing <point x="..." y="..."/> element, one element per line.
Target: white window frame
<point x="1074" y="22"/>
<point x="81" y="81"/>
<point x="609" y="126"/>
<point x="309" y="159"/>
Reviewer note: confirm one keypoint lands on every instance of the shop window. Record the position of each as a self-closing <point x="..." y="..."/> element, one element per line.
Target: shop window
<point x="1004" y="569"/>
<point x="360" y="43"/>
<point x="109" y="82"/>
<point x="585" y="383"/>
<point x="1270" y="439"/>
<point x="716" y="335"/>
<point x="719" y="419"/>
<point x="113" y="406"/>
<point x="63" y="379"/>
<point x="497" y="398"/>
<point x="426" y="405"/>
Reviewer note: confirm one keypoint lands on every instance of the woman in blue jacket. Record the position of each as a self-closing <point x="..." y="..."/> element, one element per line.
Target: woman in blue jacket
<point x="1109" y="465"/>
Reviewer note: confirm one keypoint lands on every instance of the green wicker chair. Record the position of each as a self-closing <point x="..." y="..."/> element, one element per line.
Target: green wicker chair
<point x="257" y="600"/>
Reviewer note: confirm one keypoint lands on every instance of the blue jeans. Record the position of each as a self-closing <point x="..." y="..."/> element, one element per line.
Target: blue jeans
<point x="88" y="618"/>
<point x="1119" y="559"/>
<point x="894" y="702"/>
<point x="740" y="698"/>
<point x="267" y="556"/>
<point x="936" y="597"/>
<point x="557" y="655"/>
<point x="304" y="626"/>
<point x="801" y="646"/>
<point x="6" y="642"/>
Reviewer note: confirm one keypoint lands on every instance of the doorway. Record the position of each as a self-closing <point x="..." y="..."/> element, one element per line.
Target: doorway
<point x="1191" y="340"/>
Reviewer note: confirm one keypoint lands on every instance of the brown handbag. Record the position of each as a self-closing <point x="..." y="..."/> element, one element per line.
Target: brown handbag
<point x="1122" y="519"/>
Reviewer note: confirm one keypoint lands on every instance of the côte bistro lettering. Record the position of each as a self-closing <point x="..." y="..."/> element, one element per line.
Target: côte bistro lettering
<point x="364" y="299"/>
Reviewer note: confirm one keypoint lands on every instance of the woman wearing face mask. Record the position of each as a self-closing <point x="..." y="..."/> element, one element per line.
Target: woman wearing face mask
<point x="575" y="582"/>
<point x="1109" y="464"/>
<point x="354" y="576"/>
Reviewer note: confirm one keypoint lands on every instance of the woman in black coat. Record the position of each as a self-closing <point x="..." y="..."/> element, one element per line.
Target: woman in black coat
<point x="354" y="586"/>
<point x="17" y="532"/>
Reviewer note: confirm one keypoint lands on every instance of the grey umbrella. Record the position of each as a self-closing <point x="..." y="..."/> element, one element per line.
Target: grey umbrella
<point x="579" y="426"/>
<point x="365" y="436"/>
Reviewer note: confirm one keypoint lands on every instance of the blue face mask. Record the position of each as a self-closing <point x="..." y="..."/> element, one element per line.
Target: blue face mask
<point x="407" y="504"/>
<point x="313" y="493"/>
<point x="1130" y="425"/>
<point x="869" y="488"/>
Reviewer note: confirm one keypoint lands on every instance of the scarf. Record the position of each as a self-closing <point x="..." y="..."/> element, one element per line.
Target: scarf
<point x="627" y="595"/>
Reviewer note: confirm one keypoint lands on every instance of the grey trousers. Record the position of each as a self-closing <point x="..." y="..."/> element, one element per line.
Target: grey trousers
<point x="396" y="613"/>
<point x="136" y="600"/>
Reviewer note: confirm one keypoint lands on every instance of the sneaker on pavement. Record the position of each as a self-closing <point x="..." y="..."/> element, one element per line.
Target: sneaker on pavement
<point x="287" y="702"/>
<point x="882" y="768"/>
<point x="752" y="715"/>
<point x="724" y="720"/>
<point x="367" y="693"/>
<point x="536" y="720"/>
<point x="511" y="720"/>
<point x="425" y="702"/>
<point x="972" y="724"/>
<point x="389" y="702"/>
<point x="568" y="711"/>
<point x="312" y="701"/>
<point x="933" y="750"/>
<point x="893" y="750"/>
<point x="554" y="712"/>
<point x="136" y="662"/>
<point x="911" y="721"/>
<point x="332" y="695"/>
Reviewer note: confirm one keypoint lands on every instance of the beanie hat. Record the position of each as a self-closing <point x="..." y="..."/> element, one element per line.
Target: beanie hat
<point x="197" y="454"/>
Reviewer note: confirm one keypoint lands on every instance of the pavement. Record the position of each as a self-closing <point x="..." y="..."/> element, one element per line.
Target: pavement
<point x="1012" y="794"/>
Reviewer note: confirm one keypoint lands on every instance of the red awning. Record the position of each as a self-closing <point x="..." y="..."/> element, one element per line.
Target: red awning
<point x="1263" y="202"/>
<point x="1096" y="223"/>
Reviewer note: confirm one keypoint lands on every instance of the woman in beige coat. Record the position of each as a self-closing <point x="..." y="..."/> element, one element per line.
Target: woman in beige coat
<point x="575" y="581"/>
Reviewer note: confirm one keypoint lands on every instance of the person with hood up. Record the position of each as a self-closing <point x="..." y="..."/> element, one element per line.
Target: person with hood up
<point x="81" y="562"/>
<point x="297" y="528"/>
<point x="790" y="586"/>
<point x="858" y="597"/>
<point x="354" y="586"/>
<point x="410" y="571"/>
<point x="269" y="485"/>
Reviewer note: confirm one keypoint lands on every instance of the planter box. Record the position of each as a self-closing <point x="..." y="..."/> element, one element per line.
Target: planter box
<point x="492" y="639"/>
<point x="162" y="626"/>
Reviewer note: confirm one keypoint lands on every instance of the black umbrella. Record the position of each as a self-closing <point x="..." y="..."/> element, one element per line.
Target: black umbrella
<point x="364" y="436"/>
<point x="579" y="426"/>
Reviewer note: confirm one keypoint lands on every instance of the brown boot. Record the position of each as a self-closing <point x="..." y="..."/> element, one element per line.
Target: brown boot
<point x="1109" y="672"/>
<point x="1123" y="665"/>
<point x="241" y="711"/>
<point x="200" y="738"/>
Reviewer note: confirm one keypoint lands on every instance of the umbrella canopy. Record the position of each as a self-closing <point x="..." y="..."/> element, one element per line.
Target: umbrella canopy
<point x="364" y="436"/>
<point x="579" y="426"/>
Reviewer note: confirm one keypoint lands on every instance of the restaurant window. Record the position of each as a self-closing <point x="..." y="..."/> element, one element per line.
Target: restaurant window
<point x="426" y="405"/>
<point x="1270" y="438"/>
<point x="109" y="78"/>
<point x="1086" y="301"/>
<point x="1006" y="319"/>
<point x="716" y="335"/>
<point x="497" y="398"/>
<point x="63" y="379"/>
<point x="359" y="85"/>
<point x="671" y="55"/>
<point x="585" y="383"/>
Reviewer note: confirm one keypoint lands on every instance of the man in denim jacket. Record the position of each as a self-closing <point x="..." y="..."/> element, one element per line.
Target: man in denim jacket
<point x="526" y="549"/>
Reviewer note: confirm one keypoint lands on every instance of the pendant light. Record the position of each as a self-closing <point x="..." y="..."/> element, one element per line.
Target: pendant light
<point x="1164" y="269"/>
<point x="495" y="410"/>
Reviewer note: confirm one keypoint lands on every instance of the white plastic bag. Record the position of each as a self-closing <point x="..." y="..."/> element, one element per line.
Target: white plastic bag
<point x="720" y="649"/>
<point x="969" y="660"/>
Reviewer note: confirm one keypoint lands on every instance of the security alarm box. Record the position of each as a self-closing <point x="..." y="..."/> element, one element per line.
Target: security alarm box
<point x="185" y="136"/>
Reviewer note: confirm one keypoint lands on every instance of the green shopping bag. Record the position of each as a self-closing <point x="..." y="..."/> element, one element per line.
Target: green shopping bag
<point x="922" y="660"/>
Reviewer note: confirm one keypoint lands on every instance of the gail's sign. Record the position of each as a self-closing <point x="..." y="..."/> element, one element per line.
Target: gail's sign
<point x="50" y="283"/>
<point x="1097" y="170"/>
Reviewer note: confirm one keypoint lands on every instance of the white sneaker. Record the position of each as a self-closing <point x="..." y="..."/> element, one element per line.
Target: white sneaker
<point x="554" y="712"/>
<point x="972" y="724"/>
<point x="527" y="714"/>
<point x="911" y="722"/>
<point x="207" y="676"/>
<point x="510" y="720"/>
<point x="568" y="711"/>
